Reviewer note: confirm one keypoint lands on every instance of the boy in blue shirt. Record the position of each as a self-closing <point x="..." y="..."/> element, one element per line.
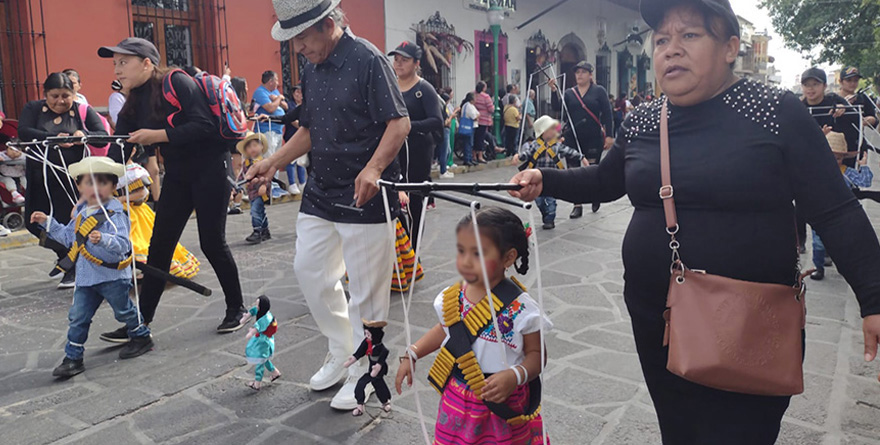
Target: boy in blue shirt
<point x="100" y="250"/>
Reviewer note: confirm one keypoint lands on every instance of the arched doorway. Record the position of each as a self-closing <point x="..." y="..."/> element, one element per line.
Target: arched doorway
<point x="571" y="51"/>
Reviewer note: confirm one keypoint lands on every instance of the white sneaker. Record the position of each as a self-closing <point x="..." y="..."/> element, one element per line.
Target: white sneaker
<point x="4" y="231"/>
<point x="293" y="189"/>
<point x="17" y="198"/>
<point x="435" y="166"/>
<point x="447" y="175"/>
<point x="330" y="374"/>
<point x="344" y="400"/>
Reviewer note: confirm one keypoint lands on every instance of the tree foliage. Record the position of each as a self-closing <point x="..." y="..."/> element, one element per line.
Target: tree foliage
<point x="834" y="31"/>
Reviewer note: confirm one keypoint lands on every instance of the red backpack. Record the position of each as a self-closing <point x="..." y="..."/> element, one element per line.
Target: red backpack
<point x="222" y="100"/>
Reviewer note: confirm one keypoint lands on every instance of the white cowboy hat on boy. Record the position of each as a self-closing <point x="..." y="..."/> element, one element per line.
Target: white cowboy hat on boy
<point x="251" y="136"/>
<point x="295" y="16"/>
<point x="96" y="165"/>
<point x="543" y="124"/>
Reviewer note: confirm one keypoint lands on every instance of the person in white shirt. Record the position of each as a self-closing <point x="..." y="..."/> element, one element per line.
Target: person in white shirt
<point x="115" y="102"/>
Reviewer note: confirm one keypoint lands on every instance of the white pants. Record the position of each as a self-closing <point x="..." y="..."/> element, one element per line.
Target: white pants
<point x="9" y="183"/>
<point x="324" y="252"/>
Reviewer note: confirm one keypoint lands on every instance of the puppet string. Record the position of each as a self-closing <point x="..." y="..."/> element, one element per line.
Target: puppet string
<point x="534" y="240"/>
<point x="137" y="297"/>
<point x="488" y="286"/>
<point x="407" y="328"/>
<point x="567" y="113"/>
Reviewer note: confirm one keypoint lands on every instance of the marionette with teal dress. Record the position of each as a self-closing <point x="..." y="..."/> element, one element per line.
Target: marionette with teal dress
<point x="261" y="343"/>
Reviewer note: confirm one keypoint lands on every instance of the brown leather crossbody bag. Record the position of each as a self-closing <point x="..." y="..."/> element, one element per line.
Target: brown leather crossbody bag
<point x="728" y="334"/>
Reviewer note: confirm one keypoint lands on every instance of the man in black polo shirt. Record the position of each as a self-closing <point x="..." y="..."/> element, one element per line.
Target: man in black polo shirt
<point x="849" y="89"/>
<point x="353" y="123"/>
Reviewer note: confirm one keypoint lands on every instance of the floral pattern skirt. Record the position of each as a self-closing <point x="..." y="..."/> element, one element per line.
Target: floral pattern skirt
<point x="463" y="419"/>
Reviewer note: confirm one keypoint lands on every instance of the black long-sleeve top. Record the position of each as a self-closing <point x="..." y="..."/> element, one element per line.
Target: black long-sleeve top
<point x="589" y="133"/>
<point x="737" y="162"/>
<point x="37" y="121"/>
<point x="848" y="124"/>
<point x="426" y="117"/>
<point x="194" y="128"/>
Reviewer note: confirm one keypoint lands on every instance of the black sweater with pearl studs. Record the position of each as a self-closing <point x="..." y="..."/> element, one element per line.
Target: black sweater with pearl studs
<point x="738" y="161"/>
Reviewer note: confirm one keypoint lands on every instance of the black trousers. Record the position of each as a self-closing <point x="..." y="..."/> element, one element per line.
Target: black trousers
<point x="37" y="200"/>
<point x="691" y="414"/>
<point x="511" y="137"/>
<point x="415" y="162"/>
<point x="200" y="184"/>
<point x="801" y="226"/>
<point x="480" y="145"/>
<point x="379" y="385"/>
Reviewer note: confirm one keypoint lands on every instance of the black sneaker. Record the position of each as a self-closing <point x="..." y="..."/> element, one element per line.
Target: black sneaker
<point x="69" y="280"/>
<point x="136" y="347"/>
<point x="234" y="211"/>
<point x="549" y="225"/>
<point x="69" y="368"/>
<point x="232" y="322"/>
<point x="265" y="236"/>
<point x="255" y="238"/>
<point x="818" y="274"/>
<point x="118" y="336"/>
<point x="577" y="212"/>
<point x="596" y="206"/>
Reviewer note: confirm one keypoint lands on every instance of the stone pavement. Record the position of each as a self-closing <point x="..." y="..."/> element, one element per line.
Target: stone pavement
<point x="190" y="389"/>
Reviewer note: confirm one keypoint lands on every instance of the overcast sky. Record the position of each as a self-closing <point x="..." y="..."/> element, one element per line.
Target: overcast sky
<point x="788" y="62"/>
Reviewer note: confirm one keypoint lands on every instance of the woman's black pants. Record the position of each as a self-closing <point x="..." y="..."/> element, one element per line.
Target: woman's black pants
<point x="37" y="200"/>
<point x="200" y="184"/>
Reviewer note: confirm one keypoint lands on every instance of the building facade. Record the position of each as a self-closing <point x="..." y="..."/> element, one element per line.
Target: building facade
<point x="538" y="37"/>
<point x="38" y="37"/>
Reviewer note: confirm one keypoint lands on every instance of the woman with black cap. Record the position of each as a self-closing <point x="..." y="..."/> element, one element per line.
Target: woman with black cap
<point x="740" y="154"/>
<point x="56" y="115"/>
<point x="590" y="120"/>
<point x="196" y="168"/>
<point x="426" y="117"/>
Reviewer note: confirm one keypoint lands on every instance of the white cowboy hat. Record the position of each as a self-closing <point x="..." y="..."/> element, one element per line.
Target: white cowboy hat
<point x="295" y="16"/>
<point x="96" y="165"/>
<point x="251" y="136"/>
<point x="543" y="124"/>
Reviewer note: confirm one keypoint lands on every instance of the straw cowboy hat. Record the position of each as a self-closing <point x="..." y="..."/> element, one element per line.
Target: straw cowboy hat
<point x="374" y="324"/>
<point x="543" y="124"/>
<point x="96" y="165"/>
<point x="251" y="136"/>
<point x="837" y="141"/>
<point x="295" y="16"/>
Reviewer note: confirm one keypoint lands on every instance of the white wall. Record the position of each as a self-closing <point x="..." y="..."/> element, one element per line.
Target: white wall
<point x="577" y="16"/>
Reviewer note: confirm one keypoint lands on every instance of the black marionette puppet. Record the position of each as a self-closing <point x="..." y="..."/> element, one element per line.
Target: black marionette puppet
<point x="377" y="354"/>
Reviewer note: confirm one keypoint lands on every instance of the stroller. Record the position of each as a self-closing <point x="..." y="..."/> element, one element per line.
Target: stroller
<point x="11" y="214"/>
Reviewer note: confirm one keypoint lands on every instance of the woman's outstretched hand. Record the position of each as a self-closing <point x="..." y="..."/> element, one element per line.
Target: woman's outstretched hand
<point x="532" y="183"/>
<point x="871" y="329"/>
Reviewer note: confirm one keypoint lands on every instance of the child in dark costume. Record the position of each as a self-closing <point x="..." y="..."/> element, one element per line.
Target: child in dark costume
<point x="377" y="354"/>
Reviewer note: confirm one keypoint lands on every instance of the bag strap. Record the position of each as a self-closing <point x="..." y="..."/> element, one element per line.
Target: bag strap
<point x="577" y="94"/>
<point x="667" y="193"/>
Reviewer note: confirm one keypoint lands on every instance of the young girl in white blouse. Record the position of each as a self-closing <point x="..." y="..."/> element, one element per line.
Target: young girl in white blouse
<point x="490" y="393"/>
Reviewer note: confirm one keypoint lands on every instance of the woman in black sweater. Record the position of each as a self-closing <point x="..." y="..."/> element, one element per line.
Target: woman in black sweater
<point x="56" y="115"/>
<point x="426" y="117"/>
<point x="196" y="169"/>
<point x="590" y="120"/>
<point x="741" y="152"/>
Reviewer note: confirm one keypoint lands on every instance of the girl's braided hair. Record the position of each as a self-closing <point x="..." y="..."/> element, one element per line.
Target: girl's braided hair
<point x="505" y="229"/>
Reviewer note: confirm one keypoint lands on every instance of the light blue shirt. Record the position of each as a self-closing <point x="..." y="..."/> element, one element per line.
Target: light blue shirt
<point x="261" y="97"/>
<point x="114" y="246"/>
<point x="860" y="178"/>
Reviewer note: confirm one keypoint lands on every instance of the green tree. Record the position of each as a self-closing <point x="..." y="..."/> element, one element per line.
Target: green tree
<point x="834" y="31"/>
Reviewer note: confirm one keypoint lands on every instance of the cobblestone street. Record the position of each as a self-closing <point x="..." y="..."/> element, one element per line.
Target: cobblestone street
<point x="191" y="388"/>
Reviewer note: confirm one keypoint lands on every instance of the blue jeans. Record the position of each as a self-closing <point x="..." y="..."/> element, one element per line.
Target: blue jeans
<point x="258" y="214"/>
<point x="442" y="151"/>
<point x="86" y="300"/>
<point x="296" y="174"/>
<point x="818" y="252"/>
<point x="547" y="206"/>
<point x="468" y="147"/>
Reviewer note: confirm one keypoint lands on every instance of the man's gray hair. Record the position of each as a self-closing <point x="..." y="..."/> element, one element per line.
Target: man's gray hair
<point x="338" y="17"/>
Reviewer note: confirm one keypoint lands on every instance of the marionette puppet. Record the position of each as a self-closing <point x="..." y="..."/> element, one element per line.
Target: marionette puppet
<point x="261" y="342"/>
<point x="377" y="354"/>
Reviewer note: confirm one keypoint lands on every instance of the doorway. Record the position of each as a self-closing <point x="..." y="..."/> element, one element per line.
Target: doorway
<point x="624" y="71"/>
<point x="485" y="57"/>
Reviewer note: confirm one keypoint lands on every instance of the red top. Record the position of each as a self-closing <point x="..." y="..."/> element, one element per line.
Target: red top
<point x="486" y="107"/>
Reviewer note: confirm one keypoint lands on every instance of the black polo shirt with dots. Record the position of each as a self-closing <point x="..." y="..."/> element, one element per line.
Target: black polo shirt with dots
<point x="347" y="101"/>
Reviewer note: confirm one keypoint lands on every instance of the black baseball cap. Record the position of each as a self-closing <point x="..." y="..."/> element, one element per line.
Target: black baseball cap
<point x="409" y="50"/>
<point x="132" y="46"/>
<point x="584" y="65"/>
<point x="848" y="72"/>
<point x="814" y="73"/>
<point x="653" y="11"/>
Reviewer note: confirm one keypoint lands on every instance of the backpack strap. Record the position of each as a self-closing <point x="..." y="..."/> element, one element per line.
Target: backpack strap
<point x="170" y="94"/>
